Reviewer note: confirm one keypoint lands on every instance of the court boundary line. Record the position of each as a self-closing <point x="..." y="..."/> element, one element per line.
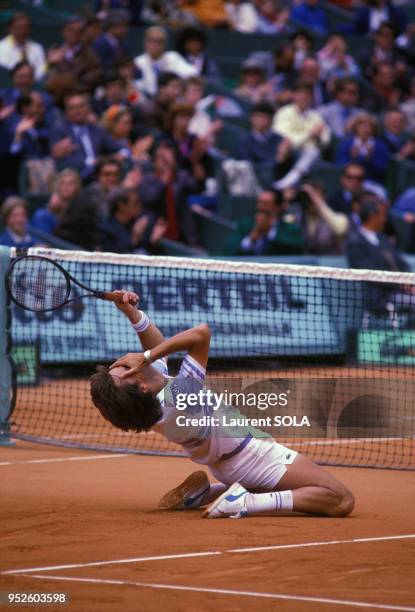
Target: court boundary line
<point x="279" y="596"/>
<point x="207" y="553"/>
<point x="61" y="459"/>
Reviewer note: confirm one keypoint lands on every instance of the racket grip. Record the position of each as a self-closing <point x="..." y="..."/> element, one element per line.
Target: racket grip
<point x="112" y="296"/>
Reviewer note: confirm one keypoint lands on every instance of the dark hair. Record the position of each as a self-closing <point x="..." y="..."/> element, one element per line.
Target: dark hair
<point x="118" y="197"/>
<point x="108" y="161"/>
<point x="347" y="167"/>
<point x="368" y="208"/>
<point x="21" y="64"/>
<point x="22" y="103"/>
<point x="189" y="33"/>
<point x="166" y="77"/>
<point x="263" y="107"/>
<point x="112" y="76"/>
<point x="17" y="17"/>
<point x="341" y="84"/>
<point x="124" y="406"/>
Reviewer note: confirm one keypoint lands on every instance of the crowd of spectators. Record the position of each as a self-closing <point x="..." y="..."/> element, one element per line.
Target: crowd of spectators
<point x="126" y="146"/>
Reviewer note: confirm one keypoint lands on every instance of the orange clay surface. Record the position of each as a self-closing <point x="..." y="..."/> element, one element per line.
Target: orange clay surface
<point x="63" y="507"/>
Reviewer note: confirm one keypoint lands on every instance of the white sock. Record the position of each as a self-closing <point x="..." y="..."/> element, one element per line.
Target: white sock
<point x="277" y="501"/>
<point x="214" y="491"/>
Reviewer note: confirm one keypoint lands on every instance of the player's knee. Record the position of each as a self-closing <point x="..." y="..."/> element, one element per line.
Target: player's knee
<point x="343" y="503"/>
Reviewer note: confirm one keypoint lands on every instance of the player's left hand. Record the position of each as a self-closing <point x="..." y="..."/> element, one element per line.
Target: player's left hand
<point x="133" y="361"/>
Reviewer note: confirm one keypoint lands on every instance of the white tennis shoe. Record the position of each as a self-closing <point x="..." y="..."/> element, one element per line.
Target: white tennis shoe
<point x="230" y="504"/>
<point x="188" y="494"/>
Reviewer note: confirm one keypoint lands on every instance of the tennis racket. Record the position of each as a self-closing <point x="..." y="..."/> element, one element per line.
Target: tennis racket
<point x="40" y="284"/>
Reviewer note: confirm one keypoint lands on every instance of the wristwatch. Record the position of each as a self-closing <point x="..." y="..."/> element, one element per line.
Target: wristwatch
<point x="147" y="356"/>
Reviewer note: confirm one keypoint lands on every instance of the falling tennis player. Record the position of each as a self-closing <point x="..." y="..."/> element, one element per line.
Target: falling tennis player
<point x="256" y="474"/>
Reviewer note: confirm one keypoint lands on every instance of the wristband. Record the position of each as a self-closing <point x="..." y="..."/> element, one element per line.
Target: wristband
<point x="142" y="324"/>
<point x="147" y="356"/>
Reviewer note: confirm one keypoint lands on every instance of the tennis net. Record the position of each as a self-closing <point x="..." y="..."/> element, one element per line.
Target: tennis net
<point x="335" y="346"/>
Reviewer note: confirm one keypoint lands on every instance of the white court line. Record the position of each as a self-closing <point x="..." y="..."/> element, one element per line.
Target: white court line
<point x="173" y="587"/>
<point x="206" y="554"/>
<point x="60" y="459"/>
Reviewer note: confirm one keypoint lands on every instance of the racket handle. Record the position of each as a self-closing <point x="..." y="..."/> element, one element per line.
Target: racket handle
<point x="114" y="296"/>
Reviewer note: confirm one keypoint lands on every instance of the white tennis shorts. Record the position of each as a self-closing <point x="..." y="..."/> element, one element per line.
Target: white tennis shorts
<point x="258" y="467"/>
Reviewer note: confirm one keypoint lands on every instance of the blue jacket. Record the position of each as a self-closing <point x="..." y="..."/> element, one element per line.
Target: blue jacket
<point x="110" y="54"/>
<point x="102" y="144"/>
<point x="375" y="166"/>
<point x="7" y="240"/>
<point x="310" y="17"/>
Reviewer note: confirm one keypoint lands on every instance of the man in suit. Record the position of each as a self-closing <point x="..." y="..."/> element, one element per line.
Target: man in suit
<point x="269" y="232"/>
<point x="344" y="106"/>
<point x="77" y="143"/>
<point x="369" y="248"/>
<point x="110" y="46"/>
<point x="262" y="146"/>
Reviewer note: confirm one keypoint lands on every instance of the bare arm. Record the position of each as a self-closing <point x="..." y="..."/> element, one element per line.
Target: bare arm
<point x="194" y="341"/>
<point x="152" y="336"/>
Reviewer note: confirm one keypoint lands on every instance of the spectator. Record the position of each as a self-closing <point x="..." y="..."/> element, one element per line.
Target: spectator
<point x="303" y="44"/>
<point x="31" y="132"/>
<point x="17" y="46"/>
<point x="344" y="107"/>
<point x="168" y="13"/>
<point x="128" y="229"/>
<point x="114" y="92"/>
<point x="242" y="16"/>
<point x="155" y="112"/>
<point x="110" y="46"/>
<point x="272" y="19"/>
<point x="268" y="233"/>
<point x="386" y="90"/>
<point x="191" y="45"/>
<point x="164" y="194"/>
<point x="23" y="81"/>
<point x="404" y="206"/>
<point x="191" y="152"/>
<point x="309" y="75"/>
<point x="103" y="8"/>
<point x="201" y="124"/>
<point x="408" y="107"/>
<point x="108" y="177"/>
<point x="15" y="218"/>
<point x="67" y="188"/>
<point x="118" y="122"/>
<point x="335" y="61"/>
<point x="156" y="60"/>
<point x="209" y="13"/>
<point x="352" y="188"/>
<point x="324" y="230"/>
<point x="128" y="71"/>
<point x="79" y="223"/>
<point x="77" y="143"/>
<point x="384" y="49"/>
<point x="395" y="134"/>
<point x="253" y="85"/>
<point x="364" y="147"/>
<point x="369" y="18"/>
<point x="263" y="147"/>
<point x="285" y="75"/>
<point x="309" y="14"/>
<point x="306" y="131"/>
<point x="370" y="248"/>
<point x="74" y="64"/>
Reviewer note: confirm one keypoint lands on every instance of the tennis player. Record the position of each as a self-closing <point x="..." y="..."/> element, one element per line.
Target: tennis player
<point x="256" y="474"/>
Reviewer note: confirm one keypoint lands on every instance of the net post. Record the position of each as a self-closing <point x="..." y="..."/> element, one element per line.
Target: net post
<point x="5" y="365"/>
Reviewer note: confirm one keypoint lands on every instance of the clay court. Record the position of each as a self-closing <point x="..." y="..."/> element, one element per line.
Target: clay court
<point x="86" y="524"/>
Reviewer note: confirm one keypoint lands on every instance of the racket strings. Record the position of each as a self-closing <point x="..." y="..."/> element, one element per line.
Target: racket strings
<point x="38" y="284"/>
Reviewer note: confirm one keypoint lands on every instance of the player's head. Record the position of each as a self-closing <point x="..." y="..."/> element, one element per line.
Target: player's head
<point x="128" y="403"/>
